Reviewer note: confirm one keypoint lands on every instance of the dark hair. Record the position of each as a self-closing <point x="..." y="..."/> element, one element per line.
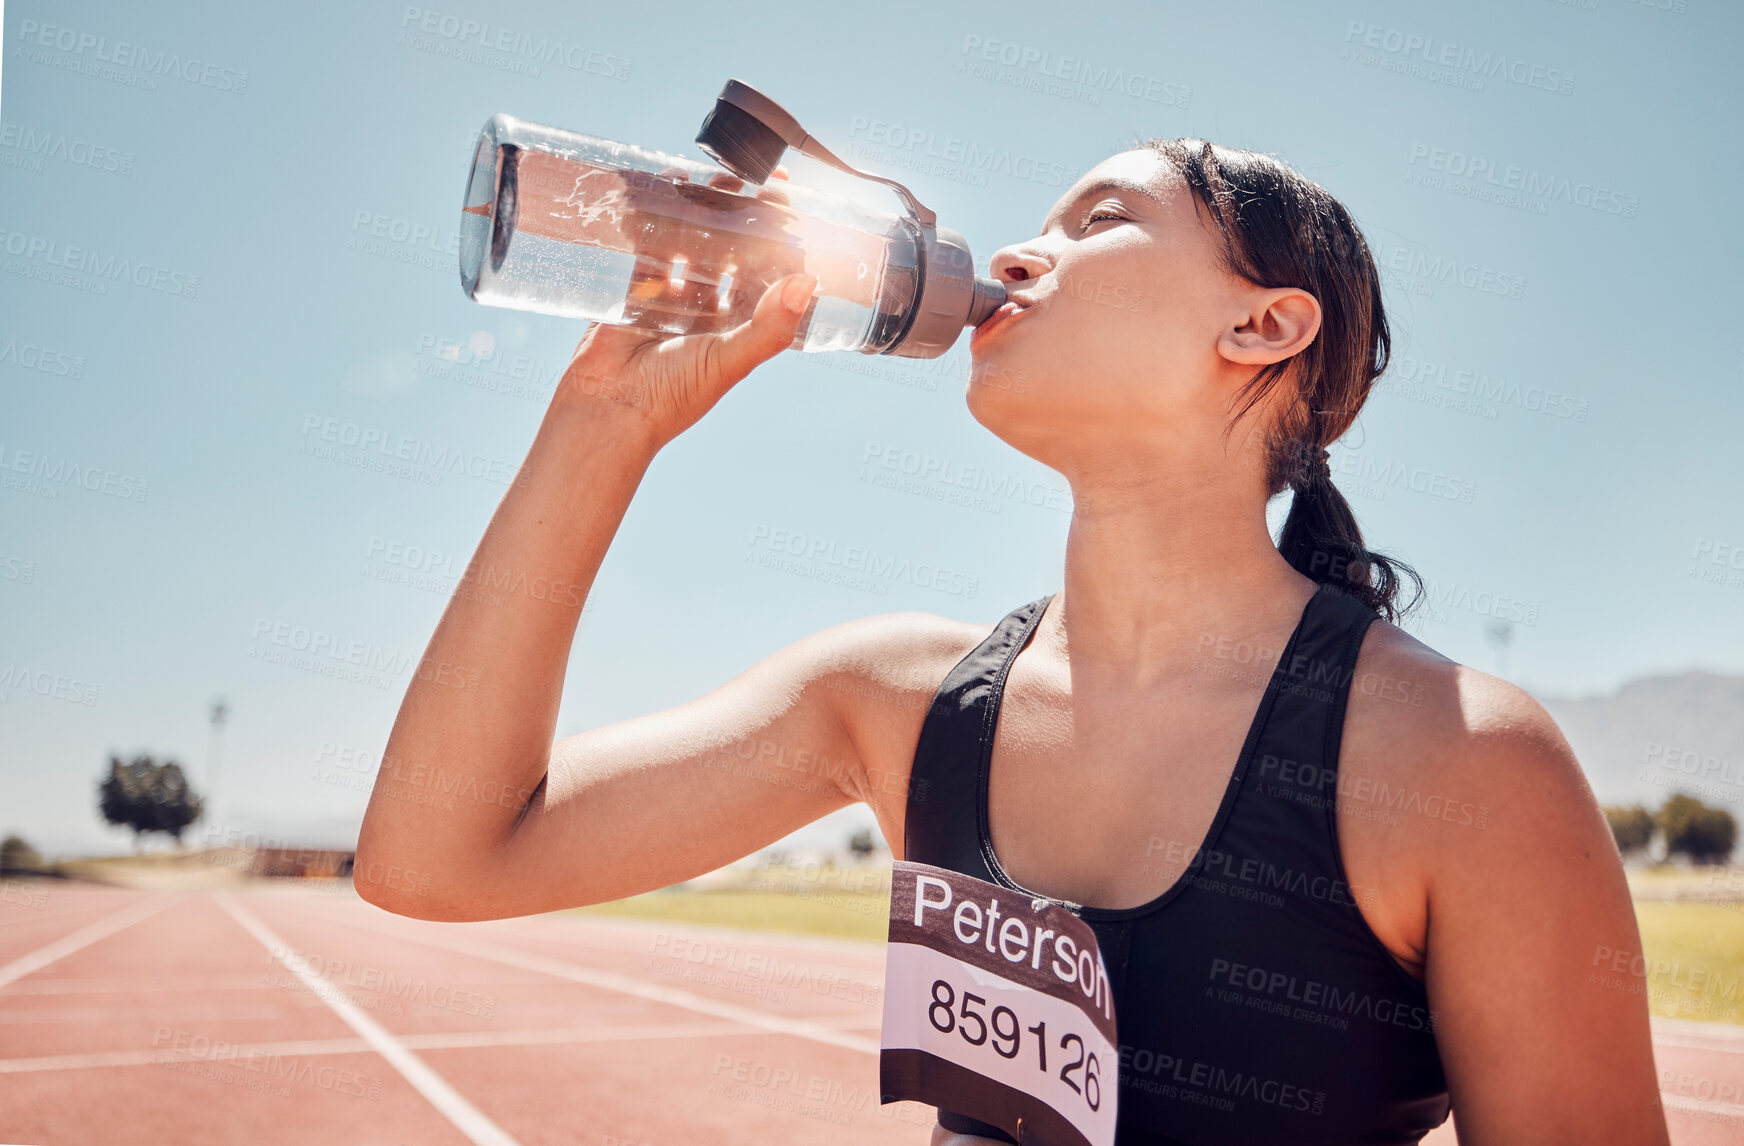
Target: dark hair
<point x="1281" y="229"/>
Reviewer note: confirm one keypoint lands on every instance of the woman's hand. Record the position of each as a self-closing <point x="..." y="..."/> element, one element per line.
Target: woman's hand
<point x="665" y="383"/>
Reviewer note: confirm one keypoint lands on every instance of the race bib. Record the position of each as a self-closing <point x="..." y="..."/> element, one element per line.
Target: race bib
<point x="997" y="1006"/>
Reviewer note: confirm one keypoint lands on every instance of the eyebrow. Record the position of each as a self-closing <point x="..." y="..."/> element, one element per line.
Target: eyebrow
<point x="1107" y="183"/>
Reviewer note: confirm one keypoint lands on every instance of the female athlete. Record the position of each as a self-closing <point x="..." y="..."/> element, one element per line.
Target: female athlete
<point x="1342" y="883"/>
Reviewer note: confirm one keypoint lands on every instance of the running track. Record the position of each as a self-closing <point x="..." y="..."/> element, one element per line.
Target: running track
<point x="284" y="1015"/>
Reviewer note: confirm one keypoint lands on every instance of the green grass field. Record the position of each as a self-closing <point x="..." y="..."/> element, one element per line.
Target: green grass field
<point x="1702" y="942"/>
<point x="845" y="914"/>
<point x="1704" y="945"/>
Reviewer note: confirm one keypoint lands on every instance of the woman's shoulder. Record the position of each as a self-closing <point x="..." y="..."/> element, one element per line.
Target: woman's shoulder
<point x="1444" y="710"/>
<point x="897" y="653"/>
<point x="1453" y="784"/>
<point x="1466" y="744"/>
<point x="881" y="672"/>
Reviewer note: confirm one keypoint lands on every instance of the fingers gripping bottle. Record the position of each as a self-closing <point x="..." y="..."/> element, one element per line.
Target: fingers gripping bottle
<point x="572" y="225"/>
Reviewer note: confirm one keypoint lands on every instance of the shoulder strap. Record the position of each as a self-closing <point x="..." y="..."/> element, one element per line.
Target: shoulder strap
<point x="941" y="825"/>
<point x="1288" y="795"/>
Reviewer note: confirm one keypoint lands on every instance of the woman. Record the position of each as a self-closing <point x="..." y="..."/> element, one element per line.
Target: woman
<point x="1341" y="882"/>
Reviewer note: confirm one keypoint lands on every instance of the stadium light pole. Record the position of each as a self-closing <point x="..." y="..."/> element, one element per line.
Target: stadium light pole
<point x="218" y="714"/>
<point x="1501" y="635"/>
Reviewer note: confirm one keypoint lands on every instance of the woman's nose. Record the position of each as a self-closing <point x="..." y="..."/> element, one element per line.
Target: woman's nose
<point x="1017" y="264"/>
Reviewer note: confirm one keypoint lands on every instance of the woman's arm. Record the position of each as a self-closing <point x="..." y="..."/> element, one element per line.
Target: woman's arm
<point x="474" y="815"/>
<point x="1542" y="1039"/>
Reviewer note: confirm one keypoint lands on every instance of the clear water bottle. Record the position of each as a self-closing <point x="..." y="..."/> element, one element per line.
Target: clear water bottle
<point x="572" y="225"/>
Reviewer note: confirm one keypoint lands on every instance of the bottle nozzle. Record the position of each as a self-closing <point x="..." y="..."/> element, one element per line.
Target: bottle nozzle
<point x="989" y="297"/>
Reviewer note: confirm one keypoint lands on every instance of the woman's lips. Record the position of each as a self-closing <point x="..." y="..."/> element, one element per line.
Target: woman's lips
<point x="1006" y="312"/>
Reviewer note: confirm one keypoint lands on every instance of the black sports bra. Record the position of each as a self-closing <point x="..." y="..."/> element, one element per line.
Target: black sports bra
<point x="1255" y="1006"/>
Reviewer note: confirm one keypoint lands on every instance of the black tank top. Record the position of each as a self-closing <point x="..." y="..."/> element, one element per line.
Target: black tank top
<point x="1255" y="1006"/>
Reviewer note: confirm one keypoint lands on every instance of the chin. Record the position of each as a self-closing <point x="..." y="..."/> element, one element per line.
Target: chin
<point x="995" y="375"/>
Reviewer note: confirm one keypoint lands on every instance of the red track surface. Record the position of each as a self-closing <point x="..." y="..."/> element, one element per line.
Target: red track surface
<point x="289" y="1016"/>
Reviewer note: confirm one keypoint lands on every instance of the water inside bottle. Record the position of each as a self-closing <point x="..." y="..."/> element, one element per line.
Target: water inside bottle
<point x="560" y="236"/>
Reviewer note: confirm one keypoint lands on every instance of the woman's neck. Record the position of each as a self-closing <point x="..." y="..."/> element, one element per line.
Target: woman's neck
<point x="1156" y="579"/>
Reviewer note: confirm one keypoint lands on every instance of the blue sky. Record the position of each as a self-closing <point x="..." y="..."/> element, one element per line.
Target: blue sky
<point x="1550" y="188"/>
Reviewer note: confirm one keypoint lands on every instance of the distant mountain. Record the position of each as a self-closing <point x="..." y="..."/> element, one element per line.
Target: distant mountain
<point x="1658" y="735"/>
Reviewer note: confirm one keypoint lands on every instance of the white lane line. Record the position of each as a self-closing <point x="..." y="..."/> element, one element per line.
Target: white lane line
<point x="153" y="1057"/>
<point x="467" y="1118"/>
<point x="83" y="937"/>
<point x="38" y="915"/>
<point x="1712" y="1046"/>
<point x="458" y="1040"/>
<point x="625" y="985"/>
<point x="600" y="1034"/>
<point x="191" y="1011"/>
<point x="256" y="981"/>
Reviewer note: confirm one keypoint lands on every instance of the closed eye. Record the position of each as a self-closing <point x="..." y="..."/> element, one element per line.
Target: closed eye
<point x="1099" y="214"/>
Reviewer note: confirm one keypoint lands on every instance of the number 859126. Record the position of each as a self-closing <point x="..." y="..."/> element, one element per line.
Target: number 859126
<point x="1005" y="1032"/>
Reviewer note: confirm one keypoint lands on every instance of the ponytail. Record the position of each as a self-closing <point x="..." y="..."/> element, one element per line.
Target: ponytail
<point x="1321" y="540"/>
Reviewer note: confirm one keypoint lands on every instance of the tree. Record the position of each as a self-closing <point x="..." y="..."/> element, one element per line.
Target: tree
<point x="148" y="797"/>
<point x="18" y="857"/>
<point x="1631" y="826"/>
<point x="1692" y="828"/>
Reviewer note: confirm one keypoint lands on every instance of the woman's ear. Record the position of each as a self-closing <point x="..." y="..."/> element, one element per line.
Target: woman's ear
<point x="1279" y="323"/>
